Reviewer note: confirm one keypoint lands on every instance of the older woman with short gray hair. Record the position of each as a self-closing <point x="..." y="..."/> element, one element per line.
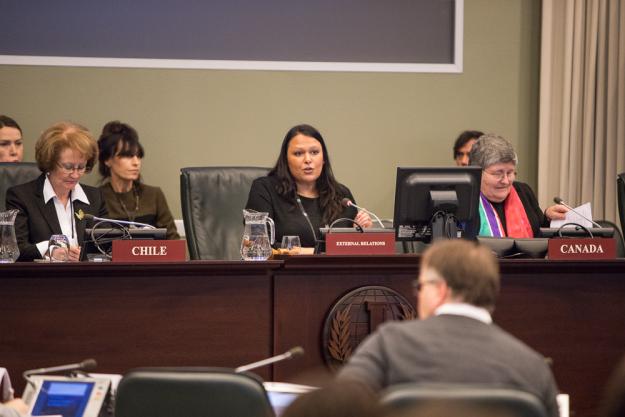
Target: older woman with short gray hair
<point x="508" y="208"/>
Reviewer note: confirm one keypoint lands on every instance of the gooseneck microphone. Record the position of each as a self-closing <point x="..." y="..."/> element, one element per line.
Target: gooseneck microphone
<point x="558" y="200"/>
<point x="346" y="202"/>
<point x="86" y="365"/>
<point x="305" y="214"/>
<point x="82" y="215"/>
<point x="289" y="354"/>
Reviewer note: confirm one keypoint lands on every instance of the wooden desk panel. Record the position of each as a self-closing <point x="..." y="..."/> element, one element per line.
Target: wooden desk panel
<point x="125" y="316"/>
<point x="571" y="312"/>
<point x="307" y="287"/>
<point x="229" y="313"/>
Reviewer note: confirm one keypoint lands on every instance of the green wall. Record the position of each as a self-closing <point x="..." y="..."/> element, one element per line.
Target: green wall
<point x="372" y="122"/>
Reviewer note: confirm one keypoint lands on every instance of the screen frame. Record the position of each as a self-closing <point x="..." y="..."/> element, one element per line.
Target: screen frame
<point x="412" y="194"/>
<point x="94" y="403"/>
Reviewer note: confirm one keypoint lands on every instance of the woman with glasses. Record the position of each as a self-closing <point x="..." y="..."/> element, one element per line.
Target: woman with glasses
<point x="508" y="208"/>
<point x="126" y="197"/>
<point x="47" y="206"/>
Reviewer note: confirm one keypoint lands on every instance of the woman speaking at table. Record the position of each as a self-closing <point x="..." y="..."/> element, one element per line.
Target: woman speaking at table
<point x="47" y="205"/>
<point x="300" y="193"/>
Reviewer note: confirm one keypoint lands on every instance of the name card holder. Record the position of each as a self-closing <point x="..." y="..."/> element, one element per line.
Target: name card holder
<point x="360" y="243"/>
<point x="134" y="250"/>
<point x="581" y="248"/>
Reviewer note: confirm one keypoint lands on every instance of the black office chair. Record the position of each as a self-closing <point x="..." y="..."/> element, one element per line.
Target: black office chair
<point x="618" y="236"/>
<point x="620" y="193"/>
<point x="15" y="173"/>
<point x="507" y="401"/>
<point x="191" y="392"/>
<point x="213" y="199"/>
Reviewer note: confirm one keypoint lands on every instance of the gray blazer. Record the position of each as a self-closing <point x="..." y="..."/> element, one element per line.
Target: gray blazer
<point x="451" y="349"/>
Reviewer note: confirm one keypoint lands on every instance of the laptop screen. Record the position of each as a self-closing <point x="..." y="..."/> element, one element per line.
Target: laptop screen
<point x="66" y="398"/>
<point x="281" y="394"/>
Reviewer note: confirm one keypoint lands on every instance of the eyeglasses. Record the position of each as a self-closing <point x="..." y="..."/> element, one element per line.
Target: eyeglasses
<point x="418" y="285"/>
<point x="500" y="175"/>
<point x="69" y="168"/>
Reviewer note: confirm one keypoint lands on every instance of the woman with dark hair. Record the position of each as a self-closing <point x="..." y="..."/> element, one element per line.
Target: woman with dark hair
<point x="127" y="198"/>
<point x="11" y="144"/>
<point x="300" y="193"/>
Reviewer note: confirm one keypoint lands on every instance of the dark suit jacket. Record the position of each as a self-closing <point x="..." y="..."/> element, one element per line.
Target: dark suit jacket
<point x="37" y="221"/>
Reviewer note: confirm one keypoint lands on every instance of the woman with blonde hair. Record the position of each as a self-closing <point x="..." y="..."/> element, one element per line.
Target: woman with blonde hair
<point x="47" y="206"/>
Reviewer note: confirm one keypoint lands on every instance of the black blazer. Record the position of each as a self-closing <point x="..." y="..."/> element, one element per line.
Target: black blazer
<point x="37" y="221"/>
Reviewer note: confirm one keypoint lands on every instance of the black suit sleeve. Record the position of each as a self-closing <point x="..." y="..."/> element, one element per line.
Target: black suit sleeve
<point x="102" y="211"/>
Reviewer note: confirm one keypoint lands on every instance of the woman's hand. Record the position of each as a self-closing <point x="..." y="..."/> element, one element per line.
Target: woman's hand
<point x="556" y="212"/>
<point x="74" y="254"/>
<point x="363" y="219"/>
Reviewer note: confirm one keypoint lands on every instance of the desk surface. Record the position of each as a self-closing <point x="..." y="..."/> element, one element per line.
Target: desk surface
<point x="219" y="313"/>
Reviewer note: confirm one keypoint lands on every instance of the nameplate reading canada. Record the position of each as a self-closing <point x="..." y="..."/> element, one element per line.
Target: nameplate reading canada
<point x="581" y="248"/>
<point x="360" y="243"/>
<point x="148" y="250"/>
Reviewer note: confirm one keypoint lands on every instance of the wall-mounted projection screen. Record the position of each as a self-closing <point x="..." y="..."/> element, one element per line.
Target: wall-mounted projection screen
<point x="317" y="35"/>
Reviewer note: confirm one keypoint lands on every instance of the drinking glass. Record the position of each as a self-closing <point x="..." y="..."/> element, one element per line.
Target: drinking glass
<point x="291" y="243"/>
<point x="58" y="248"/>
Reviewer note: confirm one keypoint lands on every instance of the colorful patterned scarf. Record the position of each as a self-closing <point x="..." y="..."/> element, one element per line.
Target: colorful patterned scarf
<point x="516" y="219"/>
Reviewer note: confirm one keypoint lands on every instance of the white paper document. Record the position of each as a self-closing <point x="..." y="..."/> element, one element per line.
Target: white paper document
<point x="572" y="217"/>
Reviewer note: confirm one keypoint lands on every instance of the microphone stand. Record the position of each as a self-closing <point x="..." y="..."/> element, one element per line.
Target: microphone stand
<point x="351" y="203"/>
<point x="558" y="200"/>
<point x="290" y="354"/>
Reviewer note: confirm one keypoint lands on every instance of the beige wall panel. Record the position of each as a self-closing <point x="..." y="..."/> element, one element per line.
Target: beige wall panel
<point x="373" y="122"/>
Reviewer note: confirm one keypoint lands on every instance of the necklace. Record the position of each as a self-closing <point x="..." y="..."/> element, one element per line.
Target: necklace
<point x="131" y="217"/>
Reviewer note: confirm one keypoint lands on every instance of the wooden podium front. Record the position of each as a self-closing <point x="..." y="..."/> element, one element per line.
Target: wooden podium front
<point x="219" y="313"/>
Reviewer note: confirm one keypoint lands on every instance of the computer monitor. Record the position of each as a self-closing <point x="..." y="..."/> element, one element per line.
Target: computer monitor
<point x="436" y="202"/>
<point x="100" y="240"/>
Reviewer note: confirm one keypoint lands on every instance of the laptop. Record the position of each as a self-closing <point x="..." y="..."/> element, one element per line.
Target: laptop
<point x="65" y="396"/>
<point x="281" y="394"/>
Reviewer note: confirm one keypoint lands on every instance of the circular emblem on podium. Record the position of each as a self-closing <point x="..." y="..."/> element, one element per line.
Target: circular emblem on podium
<point x="355" y="315"/>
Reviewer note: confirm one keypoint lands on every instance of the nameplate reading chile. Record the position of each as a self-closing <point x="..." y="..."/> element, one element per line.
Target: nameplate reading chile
<point x="148" y="250"/>
<point x="360" y="243"/>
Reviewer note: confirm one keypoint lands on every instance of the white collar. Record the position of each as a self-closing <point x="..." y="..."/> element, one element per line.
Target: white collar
<point x="466" y="310"/>
<point x="77" y="193"/>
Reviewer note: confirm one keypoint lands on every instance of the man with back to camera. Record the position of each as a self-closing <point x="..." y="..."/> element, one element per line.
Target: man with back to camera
<point x="454" y="341"/>
<point x="11" y="146"/>
<point x="463" y="144"/>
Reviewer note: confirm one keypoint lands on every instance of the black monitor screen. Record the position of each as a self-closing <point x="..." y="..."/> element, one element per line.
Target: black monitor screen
<point x="428" y="195"/>
<point x="68" y="399"/>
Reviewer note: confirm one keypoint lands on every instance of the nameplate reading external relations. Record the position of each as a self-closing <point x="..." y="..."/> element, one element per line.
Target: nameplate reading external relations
<point x="148" y="250"/>
<point x="360" y="243"/>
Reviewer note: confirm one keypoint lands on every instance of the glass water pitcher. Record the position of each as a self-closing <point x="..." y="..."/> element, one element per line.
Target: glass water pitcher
<point x="8" y="243"/>
<point x="256" y="242"/>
